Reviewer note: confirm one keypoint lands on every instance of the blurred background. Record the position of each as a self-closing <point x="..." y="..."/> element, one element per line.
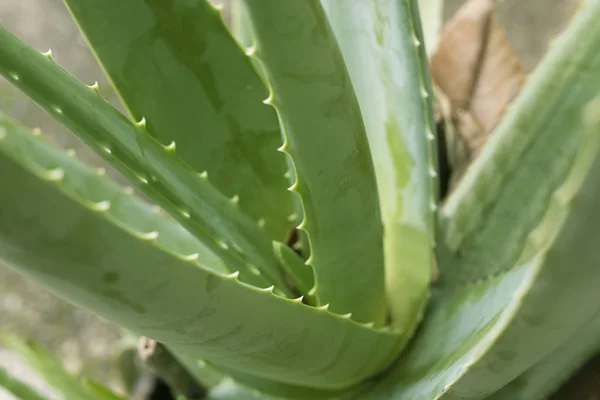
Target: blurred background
<point x="84" y="342"/>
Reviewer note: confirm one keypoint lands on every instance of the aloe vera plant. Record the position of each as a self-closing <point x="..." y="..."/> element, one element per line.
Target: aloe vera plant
<point x="300" y="227"/>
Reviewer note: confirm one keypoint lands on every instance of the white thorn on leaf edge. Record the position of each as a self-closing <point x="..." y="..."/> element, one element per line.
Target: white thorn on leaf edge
<point x="101" y="206"/>
<point x="324" y="308"/>
<point x="233" y="275"/>
<point x="268" y="289"/>
<point x="54" y="175"/>
<point x="298" y="300"/>
<point x="149" y="236"/>
<point x="57" y="110"/>
<point x="141" y="123"/>
<point x="171" y="146"/>
<point x="346" y="316"/>
<point x="223" y="245"/>
<point x="36" y="132"/>
<point x="261" y="223"/>
<point x="250" y="51"/>
<point x="235" y="199"/>
<point x="203" y="175"/>
<point x="14" y="76"/>
<point x="48" y="54"/>
<point x="95" y="86"/>
<point x="269" y="100"/>
<point x="191" y="257"/>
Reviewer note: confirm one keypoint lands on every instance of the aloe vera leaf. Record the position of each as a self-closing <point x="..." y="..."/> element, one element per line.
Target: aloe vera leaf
<point x="136" y="214"/>
<point x="300" y="273"/>
<point x="380" y="40"/>
<point x="326" y="140"/>
<point x="432" y="18"/>
<point x="17" y="388"/>
<point x="48" y="366"/>
<point x="245" y="383"/>
<point x="176" y="64"/>
<point x="505" y="192"/>
<point x="155" y="169"/>
<point x="50" y="231"/>
<point x="100" y="391"/>
<point x="550" y="373"/>
<point x="473" y="327"/>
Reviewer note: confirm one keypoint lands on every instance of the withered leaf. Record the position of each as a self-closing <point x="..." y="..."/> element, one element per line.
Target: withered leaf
<point x="476" y="68"/>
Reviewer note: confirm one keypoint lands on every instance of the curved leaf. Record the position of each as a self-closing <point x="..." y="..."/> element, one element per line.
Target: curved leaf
<point x="536" y="200"/>
<point x="19" y="389"/>
<point x="54" y="230"/>
<point x="552" y="371"/>
<point x="381" y="42"/>
<point x="155" y="169"/>
<point x="174" y="63"/>
<point x="326" y="140"/>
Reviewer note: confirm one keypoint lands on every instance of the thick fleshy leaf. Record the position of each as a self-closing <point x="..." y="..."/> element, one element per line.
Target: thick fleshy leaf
<point x="55" y="230"/>
<point x="326" y="140"/>
<point x="432" y="18"/>
<point x="155" y="169"/>
<point x="518" y="247"/>
<point x="552" y="371"/>
<point x="176" y="64"/>
<point x="49" y="368"/>
<point x="17" y="388"/>
<point x="381" y="42"/>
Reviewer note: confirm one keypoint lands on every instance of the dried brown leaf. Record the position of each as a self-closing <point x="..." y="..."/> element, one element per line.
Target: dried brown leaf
<point x="476" y="68"/>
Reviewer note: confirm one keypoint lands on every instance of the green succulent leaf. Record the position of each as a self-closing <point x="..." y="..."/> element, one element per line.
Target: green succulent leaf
<point x="18" y="388"/>
<point x="529" y="201"/>
<point x="87" y="255"/>
<point x="381" y="43"/>
<point x="155" y="169"/>
<point x="326" y="140"/>
<point x="46" y="364"/>
<point x="432" y="18"/>
<point x="100" y="391"/>
<point x="301" y="274"/>
<point x="175" y="64"/>
<point x="553" y="370"/>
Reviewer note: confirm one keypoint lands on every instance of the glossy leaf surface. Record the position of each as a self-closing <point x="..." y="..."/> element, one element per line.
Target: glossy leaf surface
<point x="175" y="64"/>
<point x="154" y="168"/>
<point x="326" y="141"/>
<point x="381" y="42"/>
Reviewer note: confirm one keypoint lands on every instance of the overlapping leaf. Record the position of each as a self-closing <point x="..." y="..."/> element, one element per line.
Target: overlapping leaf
<point x="327" y="143"/>
<point x="511" y="292"/>
<point x="381" y="42"/>
<point x="175" y="63"/>
<point x="54" y="228"/>
<point x="155" y="169"/>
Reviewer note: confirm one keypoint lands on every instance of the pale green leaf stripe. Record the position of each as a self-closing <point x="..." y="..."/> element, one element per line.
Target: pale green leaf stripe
<point x="136" y="214"/>
<point x="48" y="366"/>
<point x="156" y="170"/>
<point x="382" y="50"/>
<point x="176" y="64"/>
<point x="326" y="140"/>
<point x="474" y="339"/>
<point x="19" y="389"/>
<point x="52" y="232"/>
<point x="555" y="369"/>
